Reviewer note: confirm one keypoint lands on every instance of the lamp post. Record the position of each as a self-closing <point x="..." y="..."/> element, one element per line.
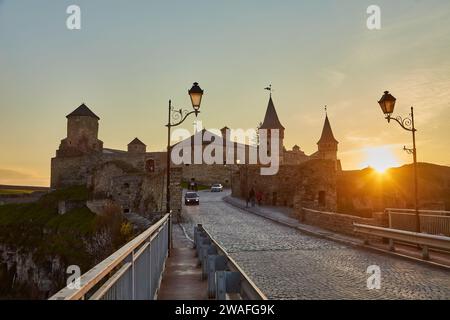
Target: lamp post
<point x="175" y="118"/>
<point x="387" y="104"/>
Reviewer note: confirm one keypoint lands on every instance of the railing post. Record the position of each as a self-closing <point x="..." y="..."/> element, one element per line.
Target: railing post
<point x="227" y="282"/>
<point x="391" y="245"/>
<point x="207" y="252"/>
<point x="425" y="253"/>
<point x="390" y="218"/>
<point x="169" y="230"/>
<point x="130" y="281"/>
<point x="215" y="263"/>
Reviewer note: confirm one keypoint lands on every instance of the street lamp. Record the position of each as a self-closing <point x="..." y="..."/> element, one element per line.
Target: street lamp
<point x="387" y="104"/>
<point x="177" y="117"/>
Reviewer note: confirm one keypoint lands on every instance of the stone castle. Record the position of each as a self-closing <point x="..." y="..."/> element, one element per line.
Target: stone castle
<point x="302" y="180"/>
<point x="135" y="178"/>
<point x="327" y="144"/>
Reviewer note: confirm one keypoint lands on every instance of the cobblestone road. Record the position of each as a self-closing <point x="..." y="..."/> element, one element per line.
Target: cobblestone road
<point x="287" y="264"/>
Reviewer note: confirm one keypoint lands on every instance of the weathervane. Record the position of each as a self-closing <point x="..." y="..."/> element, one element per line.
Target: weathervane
<point x="326" y="110"/>
<point x="269" y="88"/>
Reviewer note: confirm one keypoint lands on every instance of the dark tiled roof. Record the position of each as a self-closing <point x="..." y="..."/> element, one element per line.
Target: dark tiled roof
<point x="271" y="120"/>
<point x="83" y="111"/>
<point x="327" y="134"/>
<point x="137" y="141"/>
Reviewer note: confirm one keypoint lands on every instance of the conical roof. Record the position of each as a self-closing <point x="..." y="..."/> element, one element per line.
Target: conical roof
<point x="271" y="120"/>
<point x="83" y="111"/>
<point x="327" y="134"/>
<point x="137" y="141"/>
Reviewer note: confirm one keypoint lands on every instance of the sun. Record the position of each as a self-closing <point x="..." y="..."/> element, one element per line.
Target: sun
<point x="380" y="158"/>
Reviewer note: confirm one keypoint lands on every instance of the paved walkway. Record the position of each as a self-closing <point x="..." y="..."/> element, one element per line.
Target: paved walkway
<point x="182" y="277"/>
<point x="286" y="217"/>
<point x="286" y="263"/>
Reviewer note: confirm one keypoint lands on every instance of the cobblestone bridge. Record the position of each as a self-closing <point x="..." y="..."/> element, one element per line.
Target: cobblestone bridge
<point x="287" y="264"/>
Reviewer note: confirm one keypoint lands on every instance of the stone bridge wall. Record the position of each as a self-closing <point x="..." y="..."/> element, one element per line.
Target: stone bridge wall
<point x="337" y="222"/>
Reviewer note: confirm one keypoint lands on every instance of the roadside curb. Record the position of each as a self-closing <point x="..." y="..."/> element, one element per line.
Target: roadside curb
<point x="329" y="236"/>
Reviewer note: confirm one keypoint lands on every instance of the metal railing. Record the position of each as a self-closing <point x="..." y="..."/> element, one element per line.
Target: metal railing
<point x="226" y="280"/>
<point x="431" y="221"/>
<point x="131" y="273"/>
<point x="421" y="239"/>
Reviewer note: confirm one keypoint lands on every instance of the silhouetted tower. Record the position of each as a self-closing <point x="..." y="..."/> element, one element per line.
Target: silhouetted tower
<point x="271" y="123"/>
<point x="137" y="146"/>
<point x="328" y="145"/>
<point x="82" y="134"/>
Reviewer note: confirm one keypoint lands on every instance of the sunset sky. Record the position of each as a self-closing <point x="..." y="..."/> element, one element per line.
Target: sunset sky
<point x="130" y="57"/>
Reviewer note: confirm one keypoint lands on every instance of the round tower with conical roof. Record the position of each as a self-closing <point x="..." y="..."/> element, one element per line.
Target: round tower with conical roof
<point x="327" y="145"/>
<point x="272" y="123"/>
<point x="82" y="133"/>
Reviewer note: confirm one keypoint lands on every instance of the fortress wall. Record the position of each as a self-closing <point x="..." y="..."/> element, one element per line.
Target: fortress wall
<point x="208" y="174"/>
<point x="70" y="171"/>
<point x="293" y="183"/>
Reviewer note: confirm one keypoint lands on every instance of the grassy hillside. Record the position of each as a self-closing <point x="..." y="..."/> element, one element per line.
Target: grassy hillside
<point x="14" y="191"/>
<point x="39" y="227"/>
<point x="78" y="237"/>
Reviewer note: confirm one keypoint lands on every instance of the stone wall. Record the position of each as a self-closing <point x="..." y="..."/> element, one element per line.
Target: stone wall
<point x="208" y="174"/>
<point x="69" y="171"/>
<point x="337" y="222"/>
<point x="312" y="182"/>
<point x="21" y="198"/>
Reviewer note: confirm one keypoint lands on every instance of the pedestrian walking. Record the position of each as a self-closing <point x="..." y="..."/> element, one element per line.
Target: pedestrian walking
<point x="259" y="197"/>
<point x="252" y="197"/>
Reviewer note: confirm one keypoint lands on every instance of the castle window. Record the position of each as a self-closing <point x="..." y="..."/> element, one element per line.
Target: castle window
<point x="126" y="185"/>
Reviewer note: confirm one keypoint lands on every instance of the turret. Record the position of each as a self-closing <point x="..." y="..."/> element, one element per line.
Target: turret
<point x="82" y="133"/>
<point x="137" y="146"/>
<point x="327" y="145"/>
<point x="272" y="123"/>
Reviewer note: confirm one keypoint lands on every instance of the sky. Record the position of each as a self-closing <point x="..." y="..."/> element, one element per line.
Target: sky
<point x="131" y="57"/>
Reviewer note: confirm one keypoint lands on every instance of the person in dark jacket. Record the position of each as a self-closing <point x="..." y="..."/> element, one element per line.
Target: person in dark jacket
<point x="252" y="196"/>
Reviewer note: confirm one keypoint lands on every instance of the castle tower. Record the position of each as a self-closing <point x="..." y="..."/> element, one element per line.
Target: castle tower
<point x="271" y="123"/>
<point x="328" y="145"/>
<point x="82" y="133"/>
<point x="137" y="146"/>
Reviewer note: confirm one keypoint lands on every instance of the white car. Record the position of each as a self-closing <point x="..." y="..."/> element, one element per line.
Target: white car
<point x="217" y="187"/>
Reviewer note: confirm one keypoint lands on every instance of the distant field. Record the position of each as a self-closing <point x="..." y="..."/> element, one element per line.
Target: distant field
<point x="7" y="189"/>
<point x="15" y="191"/>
